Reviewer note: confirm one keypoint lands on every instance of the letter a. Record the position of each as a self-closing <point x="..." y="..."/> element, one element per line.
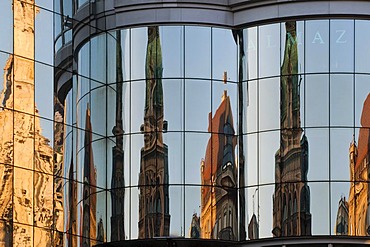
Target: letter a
<point x="318" y="38"/>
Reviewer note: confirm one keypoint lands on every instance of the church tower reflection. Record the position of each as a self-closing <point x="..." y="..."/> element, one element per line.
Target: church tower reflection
<point x="154" y="217"/>
<point x="291" y="199"/>
<point x="218" y="218"/>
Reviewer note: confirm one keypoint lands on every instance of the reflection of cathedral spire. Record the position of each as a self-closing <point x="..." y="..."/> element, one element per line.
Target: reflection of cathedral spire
<point x="28" y="201"/>
<point x="291" y="200"/>
<point x="359" y="199"/>
<point x="341" y="225"/>
<point x="118" y="178"/>
<point x="154" y="217"/>
<point x="218" y="216"/>
<point x="89" y="187"/>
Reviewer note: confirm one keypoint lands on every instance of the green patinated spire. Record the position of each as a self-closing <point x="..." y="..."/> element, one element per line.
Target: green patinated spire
<point x="289" y="90"/>
<point x="153" y="72"/>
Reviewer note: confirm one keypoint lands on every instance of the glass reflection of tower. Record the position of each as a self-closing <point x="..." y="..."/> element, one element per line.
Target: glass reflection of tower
<point x="89" y="188"/>
<point x="218" y="216"/>
<point x="154" y="217"/>
<point x="118" y="178"/>
<point x="26" y="158"/>
<point x="359" y="199"/>
<point x="291" y="199"/>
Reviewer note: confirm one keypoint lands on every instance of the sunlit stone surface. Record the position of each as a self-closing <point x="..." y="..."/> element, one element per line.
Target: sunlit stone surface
<point x="26" y="196"/>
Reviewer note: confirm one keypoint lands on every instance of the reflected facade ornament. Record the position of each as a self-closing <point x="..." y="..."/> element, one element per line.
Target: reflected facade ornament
<point x="89" y="188"/>
<point x="291" y="199"/>
<point x="218" y="218"/>
<point x="359" y="199"/>
<point x="154" y="217"/>
<point x="58" y="172"/>
<point x="101" y="233"/>
<point x="253" y="228"/>
<point x="341" y="224"/>
<point x="26" y="196"/>
<point x="118" y="175"/>
<point x="194" y="231"/>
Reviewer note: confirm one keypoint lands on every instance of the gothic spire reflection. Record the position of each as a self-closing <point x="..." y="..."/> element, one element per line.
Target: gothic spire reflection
<point x="291" y="199"/>
<point x="154" y="217"/>
<point x="89" y="188"/>
<point x="118" y="178"/>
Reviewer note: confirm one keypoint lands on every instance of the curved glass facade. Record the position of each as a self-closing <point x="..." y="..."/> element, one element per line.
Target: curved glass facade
<point x="210" y="133"/>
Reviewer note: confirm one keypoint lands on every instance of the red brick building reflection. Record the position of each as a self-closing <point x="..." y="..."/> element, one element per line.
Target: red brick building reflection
<point x="218" y="218"/>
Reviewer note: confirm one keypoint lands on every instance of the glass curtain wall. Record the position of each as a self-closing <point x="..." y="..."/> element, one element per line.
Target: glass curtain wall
<point x="201" y="132"/>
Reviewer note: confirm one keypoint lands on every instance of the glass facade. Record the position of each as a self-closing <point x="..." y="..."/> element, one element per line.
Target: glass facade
<point x="218" y="134"/>
<point x="188" y="131"/>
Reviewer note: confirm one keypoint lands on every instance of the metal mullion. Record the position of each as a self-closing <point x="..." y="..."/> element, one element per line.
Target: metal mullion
<point x="106" y="131"/>
<point x="183" y="133"/>
<point x="329" y="88"/>
<point x="34" y="122"/>
<point x="130" y="128"/>
<point x="258" y="121"/>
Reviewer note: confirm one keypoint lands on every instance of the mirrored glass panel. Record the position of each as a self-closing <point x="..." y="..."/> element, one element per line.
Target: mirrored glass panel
<point x="198" y="52"/>
<point x="224" y="54"/>
<point x="249" y="53"/>
<point x="341" y="100"/>
<point x="343" y="146"/>
<point x="319" y="207"/>
<point x="43" y="38"/>
<point x="197" y="105"/>
<point x="251" y="150"/>
<point x="173" y="104"/>
<point x="250" y="106"/>
<point x="362" y="39"/>
<point x="271" y="157"/>
<point x="44" y="90"/>
<point x="271" y="102"/>
<point x="317" y="46"/>
<point x="98" y="115"/>
<point x="269" y="50"/>
<point x="7" y="26"/>
<point x="341" y="45"/>
<point x="98" y="46"/>
<point x="362" y="91"/>
<point x="317" y="141"/>
<point x="198" y="158"/>
<point x="172" y="46"/>
<point x="139" y="42"/>
<point x="316" y="100"/>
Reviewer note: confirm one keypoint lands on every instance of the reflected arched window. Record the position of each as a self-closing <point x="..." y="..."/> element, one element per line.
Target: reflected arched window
<point x="225" y="218"/>
<point x="290" y="202"/>
<point x="295" y="203"/>
<point x="305" y="200"/>
<point x="158" y="205"/>
<point x="230" y="218"/>
<point x="285" y="215"/>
